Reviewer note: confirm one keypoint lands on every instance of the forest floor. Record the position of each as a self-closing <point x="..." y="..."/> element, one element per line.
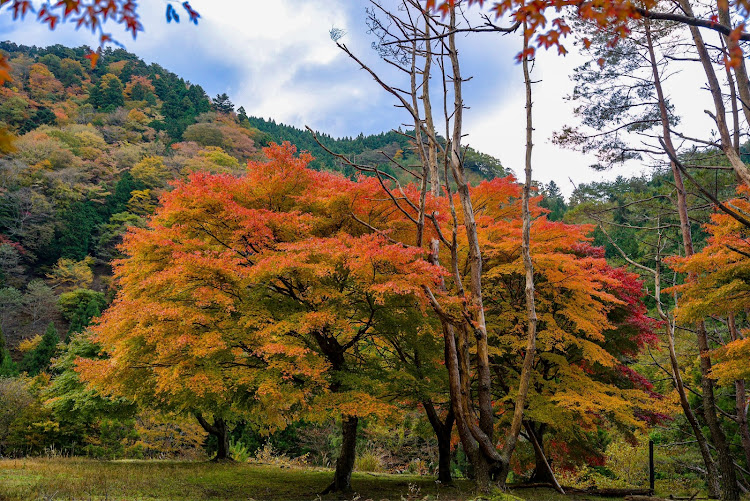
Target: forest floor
<point x="84" y="480"/>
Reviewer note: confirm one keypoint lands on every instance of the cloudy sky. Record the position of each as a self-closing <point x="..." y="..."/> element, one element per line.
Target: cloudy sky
<point x="275" y="58"/>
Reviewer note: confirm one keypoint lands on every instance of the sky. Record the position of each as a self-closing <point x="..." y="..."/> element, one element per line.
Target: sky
<point x="276" y="59"/>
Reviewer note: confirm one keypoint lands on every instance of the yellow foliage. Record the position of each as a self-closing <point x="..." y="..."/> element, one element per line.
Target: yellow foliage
<point x="169" y="436"/>
<point x="142" y="202"/>
<point x="68" y="274"/>
<point x="151" y="171"/>
<point x="29" y="344"/>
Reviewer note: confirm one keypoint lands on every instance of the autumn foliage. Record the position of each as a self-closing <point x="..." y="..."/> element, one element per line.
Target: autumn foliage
<point x="269" y="297"/>
<point x="717" y="286"/>
<point x="240" y="283"/>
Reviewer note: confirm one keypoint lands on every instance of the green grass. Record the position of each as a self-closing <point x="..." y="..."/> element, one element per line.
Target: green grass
<point x="81" y="479"/>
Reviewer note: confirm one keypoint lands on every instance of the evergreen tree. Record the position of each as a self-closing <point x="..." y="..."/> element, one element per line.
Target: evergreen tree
<point x="127" y="72"/>
<point x="38" y="359"/>
<point x="80" y="220"/>
<point x="242" y="114"/>
<point x="118" y="200"/>
<point x="222" y="104"/>
<point x="554" y="201"/>
<point x="95" y="95"/>
<point x="8" y="368"/>
<point x="83" y="316"/>
<point x="108" y="93"/>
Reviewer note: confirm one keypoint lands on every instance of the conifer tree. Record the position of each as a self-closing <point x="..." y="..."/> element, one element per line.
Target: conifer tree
<point x="222" y="104"/>
<point x="38" y="359"/>
<point x="8" y="368"/>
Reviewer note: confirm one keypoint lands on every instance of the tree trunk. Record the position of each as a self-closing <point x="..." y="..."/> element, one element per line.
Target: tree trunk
<point x="342" y="478"/>
<point x="222" y="452"/>
<point x="541" y="474"/>
<point x="728" y="481"/>
<point x="687" y="241"/>
<point x="528" y="359"/>
<point x="740" y="71"/>
<point x="444" y="459"/>
<point x="476" y="437"/>
<point x="443" y="432"/>
<point x="220" y="430"/>
<point x="713" y="86"/>
<point x="740" y="398"/>
<point x="541" y="459"/>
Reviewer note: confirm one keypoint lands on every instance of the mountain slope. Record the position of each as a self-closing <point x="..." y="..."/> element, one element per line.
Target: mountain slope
<point x="93" y="150"/>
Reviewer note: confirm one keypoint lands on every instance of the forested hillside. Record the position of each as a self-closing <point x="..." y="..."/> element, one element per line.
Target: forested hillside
<point x="95" y="149"/>
<point x="91" y="151"/>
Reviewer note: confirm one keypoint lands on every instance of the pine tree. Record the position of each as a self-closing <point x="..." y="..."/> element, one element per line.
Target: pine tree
<point x="8" y="368"/>
<point x="242" y="114"/>
<point x="39" y="358"/>
<point x="222" y="104"/>
<point x="108" y="93"/>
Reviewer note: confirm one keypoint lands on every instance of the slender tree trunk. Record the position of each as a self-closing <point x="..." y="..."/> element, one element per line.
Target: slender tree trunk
<point x="735" y="111"/>
<point x="342" y="478"/>
<point x="528" y="359"/>
<point x="486" y="458"/>
<point x="432" y="157"/>
<point x="712" y="475"/>
<point x="740" y="71"/>
<point x="541" y="474"/>
<point x="740" y="399"/>
<point x="220" y="430"/>
<point x="443" y="430"/>
<point x="721" y="122"/>
<point x="687" y="241"/>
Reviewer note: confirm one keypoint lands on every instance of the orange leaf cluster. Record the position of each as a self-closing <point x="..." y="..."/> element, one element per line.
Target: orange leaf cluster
<point x="717" y="284"/>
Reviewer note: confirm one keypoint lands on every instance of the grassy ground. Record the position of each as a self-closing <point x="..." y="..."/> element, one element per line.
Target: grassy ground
<point x="79" y="479"/>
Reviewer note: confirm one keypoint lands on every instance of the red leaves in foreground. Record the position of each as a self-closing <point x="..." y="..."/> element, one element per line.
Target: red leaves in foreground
<point x="612" y="15"/>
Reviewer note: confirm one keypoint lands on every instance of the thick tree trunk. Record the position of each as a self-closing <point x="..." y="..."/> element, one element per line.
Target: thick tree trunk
<point x="220" y="430"/>
<point x="443" y="432"/>
<point x="444" y="459"/>
<point x="222" y="451"/>
<point x="541" y="459"/>
<point x="342" y="478"/>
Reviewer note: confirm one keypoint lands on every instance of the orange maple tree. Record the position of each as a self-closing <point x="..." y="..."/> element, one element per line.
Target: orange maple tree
<point x="591" y="315"/>
<point x="258" y="297"/>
